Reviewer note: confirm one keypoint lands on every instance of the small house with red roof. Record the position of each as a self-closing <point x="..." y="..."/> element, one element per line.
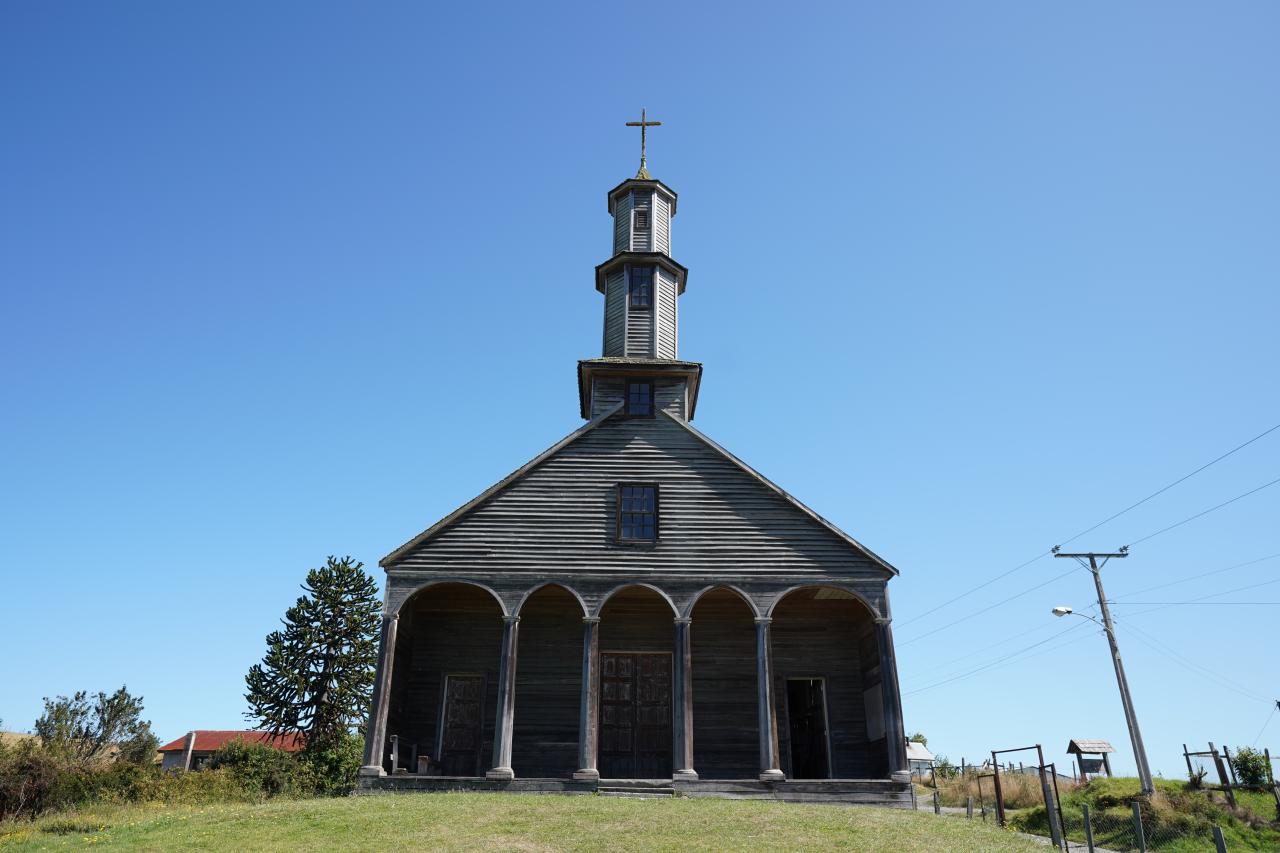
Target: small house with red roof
<point x="192" y="750"/>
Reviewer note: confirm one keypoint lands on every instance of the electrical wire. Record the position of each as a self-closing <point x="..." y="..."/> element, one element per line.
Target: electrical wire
<point x="1204" y="672"/>
<point x="1267" y="723"/>
<point x="1199" y="600"/>
<point x="1106" y="520"/>
<point x="1001" y="642"/>
<point x="987" y="609"/>
<point x="1204" y="513"/>
<point x="1196" y="577"/>
<point x="1003" y="659"/>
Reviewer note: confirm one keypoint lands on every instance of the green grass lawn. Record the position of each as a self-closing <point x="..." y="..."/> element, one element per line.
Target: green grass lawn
<point x="507" y="822"/>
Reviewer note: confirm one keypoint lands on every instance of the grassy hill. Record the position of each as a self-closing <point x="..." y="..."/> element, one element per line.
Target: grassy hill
<point x="508" y="822"/>
<point x="1178" y="818"/>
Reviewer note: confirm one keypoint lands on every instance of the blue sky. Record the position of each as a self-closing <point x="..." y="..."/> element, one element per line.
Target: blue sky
<point x="286" y="280"/>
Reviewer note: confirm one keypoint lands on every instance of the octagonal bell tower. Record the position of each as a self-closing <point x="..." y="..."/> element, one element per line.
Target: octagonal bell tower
<point x="642" y="285"/>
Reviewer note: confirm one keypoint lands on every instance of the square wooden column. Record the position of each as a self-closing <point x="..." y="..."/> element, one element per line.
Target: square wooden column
<point x="504" y="722"/>
<point x="767" y="717"/>
<point x="894" y="735"/>
<point x="589" y="710"/>
<point x="683" y="705"/>
<point x="375" y="737"/>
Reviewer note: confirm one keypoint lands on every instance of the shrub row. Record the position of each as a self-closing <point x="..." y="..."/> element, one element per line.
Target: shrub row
<point x="34" y="781"/>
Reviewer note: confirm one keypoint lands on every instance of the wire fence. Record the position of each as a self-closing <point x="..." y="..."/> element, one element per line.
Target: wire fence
<point x="1128" y="829"/>
<point x="1241" y="811"/>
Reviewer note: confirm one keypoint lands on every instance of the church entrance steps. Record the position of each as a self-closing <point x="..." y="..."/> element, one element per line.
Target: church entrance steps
<point x="868" y="792"/>
<point x="638" y="793"/>
<point x="407" y="783"/>
<point x="637" y="789"/>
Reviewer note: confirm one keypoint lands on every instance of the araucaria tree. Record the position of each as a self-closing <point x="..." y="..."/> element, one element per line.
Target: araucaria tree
<point x="317" y="676"/>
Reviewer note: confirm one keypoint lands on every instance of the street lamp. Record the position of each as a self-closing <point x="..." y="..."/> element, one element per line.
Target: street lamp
<point x="1130" y="716"/>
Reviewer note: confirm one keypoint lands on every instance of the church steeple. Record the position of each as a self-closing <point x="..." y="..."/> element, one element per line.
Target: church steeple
<point x="642" y="285"/>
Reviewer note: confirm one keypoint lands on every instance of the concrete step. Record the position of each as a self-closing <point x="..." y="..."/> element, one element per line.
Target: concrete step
<point x="635" y="783"/>
<point x="637" y="793"/>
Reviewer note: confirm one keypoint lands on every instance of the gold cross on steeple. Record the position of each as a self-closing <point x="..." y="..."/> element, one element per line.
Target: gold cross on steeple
<point x="644" y="125"/>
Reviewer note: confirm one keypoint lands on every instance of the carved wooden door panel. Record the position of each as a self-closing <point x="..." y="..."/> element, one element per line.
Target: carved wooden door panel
<point x="462" y="725"/>
<point x="635" y="716"/>
<point x="653" y="717"/>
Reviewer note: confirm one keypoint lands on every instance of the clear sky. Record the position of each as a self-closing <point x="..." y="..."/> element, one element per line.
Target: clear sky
<point x="286" y="280"/>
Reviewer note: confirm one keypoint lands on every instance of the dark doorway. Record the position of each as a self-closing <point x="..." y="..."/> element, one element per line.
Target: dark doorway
<point x="462" y="719"/>
<point x="807" y="720"/>
<point x="635" y="715"/>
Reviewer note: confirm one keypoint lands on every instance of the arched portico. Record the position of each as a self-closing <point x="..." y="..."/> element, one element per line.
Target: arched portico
<point x="633" y="589"/>
<point x="722" y="588"/>
<point x="833" y="685"/>
<point x="444" y="660"/>
<point x="736" y="682"/>
<point x="547" y="685"/>
<point x="725" y="716"/>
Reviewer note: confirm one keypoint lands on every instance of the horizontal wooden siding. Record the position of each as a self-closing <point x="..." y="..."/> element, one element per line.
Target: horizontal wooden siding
<point x="615" y="314"/>
<point x="559" y="519"/>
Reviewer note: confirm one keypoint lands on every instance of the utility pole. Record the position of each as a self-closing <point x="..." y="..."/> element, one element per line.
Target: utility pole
<point x="1131" y="717"/>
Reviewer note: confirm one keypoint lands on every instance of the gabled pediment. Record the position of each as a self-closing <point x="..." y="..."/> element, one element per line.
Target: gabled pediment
<point x="717" y="514"/>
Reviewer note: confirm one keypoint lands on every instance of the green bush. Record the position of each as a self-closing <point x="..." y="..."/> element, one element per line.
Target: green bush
<point x="1250" y="766"/>
<point x="34" y="781"/>
<point x="336" y="768"/>
<point x="263" y="768"/>
<point x="30" y="781"/>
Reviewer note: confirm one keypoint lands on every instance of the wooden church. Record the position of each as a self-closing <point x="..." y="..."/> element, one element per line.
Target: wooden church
<point x="636" y="607"/>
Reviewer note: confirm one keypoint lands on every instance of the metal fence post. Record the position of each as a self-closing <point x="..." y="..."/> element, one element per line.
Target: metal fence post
<point x="999" y="804"/>
<point x="1139" y="837"/>
<point x="1275" y="787"/>
<point x="1088" y="828"/>
<point x="1055" y="828"/>
<point x="1219" y="842"/>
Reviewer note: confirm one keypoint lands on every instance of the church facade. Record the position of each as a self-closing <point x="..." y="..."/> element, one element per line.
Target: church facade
<point x="637" y="603"/>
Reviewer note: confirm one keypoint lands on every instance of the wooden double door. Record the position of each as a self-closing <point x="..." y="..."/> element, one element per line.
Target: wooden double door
<point x="635" y="715"/>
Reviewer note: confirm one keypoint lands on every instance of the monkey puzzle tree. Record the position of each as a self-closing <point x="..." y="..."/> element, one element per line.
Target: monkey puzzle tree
<point x="317" y="675"/>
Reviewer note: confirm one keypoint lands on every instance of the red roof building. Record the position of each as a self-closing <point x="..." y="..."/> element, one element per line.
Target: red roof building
<point x="193" y="749"/>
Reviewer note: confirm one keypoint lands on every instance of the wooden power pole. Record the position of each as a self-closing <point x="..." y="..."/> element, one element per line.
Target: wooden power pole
<point x="1131" y="717"/>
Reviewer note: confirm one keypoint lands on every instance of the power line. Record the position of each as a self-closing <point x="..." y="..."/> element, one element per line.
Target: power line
<point x="1204" y="513"/>
<point x="1205" y="603"/>
<point x="1106" y="520"/>
<point x="1199" y="600"/>
<point x="1267" y="723"/>
<point x="1159" y="492"/>
<point x="980" y="586"/>
<point x="1003" y="659"/>
<point x="1202" y="671"/>
<point x="986" y="609"/>
<point x="1001" y="642"/>
<point x="1196" y="577"/>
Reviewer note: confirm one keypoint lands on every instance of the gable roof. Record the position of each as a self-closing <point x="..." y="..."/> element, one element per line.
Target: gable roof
<point x="209" y="740"/>
<point x="453" y="517"/>
<point x="765" y="481"/>
<point x="916" y="751"/>
<point x="1080" y="745"/>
